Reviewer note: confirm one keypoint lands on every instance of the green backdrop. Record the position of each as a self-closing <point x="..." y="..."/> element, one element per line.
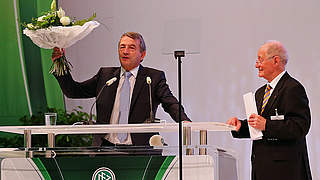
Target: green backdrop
<point x="26" y="85"/>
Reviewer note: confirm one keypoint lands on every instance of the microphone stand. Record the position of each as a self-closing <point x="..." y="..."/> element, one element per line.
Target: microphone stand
<point x="178" y="55"/>
<point x="108" y="83"/>
<point x="90" y="114"/>
<point x="151" y="119"/>
<point x="150" y="99"/>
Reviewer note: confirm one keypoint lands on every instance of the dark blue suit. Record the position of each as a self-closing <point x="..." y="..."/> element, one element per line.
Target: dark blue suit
<point x="140" y="105"/>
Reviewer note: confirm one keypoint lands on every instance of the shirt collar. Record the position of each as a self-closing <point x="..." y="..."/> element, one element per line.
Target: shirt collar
<point x="133" y="71"/>
<point x="275" y="81"/>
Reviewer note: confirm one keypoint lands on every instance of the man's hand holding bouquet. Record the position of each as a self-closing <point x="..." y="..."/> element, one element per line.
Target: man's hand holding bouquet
<point x="56" y="30"/>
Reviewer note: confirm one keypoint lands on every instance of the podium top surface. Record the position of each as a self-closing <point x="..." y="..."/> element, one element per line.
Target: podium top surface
<point x="117" y="128"/>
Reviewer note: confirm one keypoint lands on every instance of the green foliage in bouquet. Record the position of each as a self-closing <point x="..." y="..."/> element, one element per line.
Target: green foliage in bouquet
<point x="54" y="18"/>
<point x="49" y="31"/>
<point x="81" y="22"/>
<point x="49" y="19"/>
<point x="63" y="118"/>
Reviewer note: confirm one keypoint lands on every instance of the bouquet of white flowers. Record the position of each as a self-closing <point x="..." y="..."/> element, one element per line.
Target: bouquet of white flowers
<point x="55" y="29"/>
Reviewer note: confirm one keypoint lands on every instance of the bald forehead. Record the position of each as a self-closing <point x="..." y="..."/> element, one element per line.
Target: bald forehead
<point x="263" y="50"/>
<point x="271" y="46"/>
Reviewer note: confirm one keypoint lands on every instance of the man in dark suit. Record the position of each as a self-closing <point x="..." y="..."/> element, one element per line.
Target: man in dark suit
<point x="283" y="117"/>
<point x="132" y="50"/>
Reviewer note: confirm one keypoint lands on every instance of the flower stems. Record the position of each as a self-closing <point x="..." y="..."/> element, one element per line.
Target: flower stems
<point x="60" y="66"/>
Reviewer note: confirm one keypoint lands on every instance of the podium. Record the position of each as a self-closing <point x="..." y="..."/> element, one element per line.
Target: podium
<point x="51" y="131"/>
<point x="108" y="163"/>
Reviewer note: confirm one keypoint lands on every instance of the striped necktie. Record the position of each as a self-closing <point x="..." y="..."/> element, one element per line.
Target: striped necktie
<point x="124" y="105"/>
<point x="266" y="97"/>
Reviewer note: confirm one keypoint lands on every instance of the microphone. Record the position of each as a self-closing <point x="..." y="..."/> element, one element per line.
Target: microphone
<point x="157" y="140"/>
<point x="108" y="83"/>
<point x="111" y="81"/>
<point x="151" y="119"/>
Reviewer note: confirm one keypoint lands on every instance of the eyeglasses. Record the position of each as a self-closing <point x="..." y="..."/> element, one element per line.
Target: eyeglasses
<point x="260" y="60"/>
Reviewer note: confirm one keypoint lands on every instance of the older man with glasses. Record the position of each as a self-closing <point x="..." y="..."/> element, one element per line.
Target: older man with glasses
<point x="283" y="117"/>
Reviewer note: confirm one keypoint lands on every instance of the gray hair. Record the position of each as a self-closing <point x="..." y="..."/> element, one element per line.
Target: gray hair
<point x="135" y="36"/>
<point x="275" y="48"/>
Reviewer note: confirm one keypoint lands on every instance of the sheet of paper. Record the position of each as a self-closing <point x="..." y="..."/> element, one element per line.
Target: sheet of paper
<point x="251" y="107"/>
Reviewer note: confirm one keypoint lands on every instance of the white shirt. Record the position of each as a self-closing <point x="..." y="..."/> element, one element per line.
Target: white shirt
<point x="275" y="81"/>
<point x="113" y="137"/>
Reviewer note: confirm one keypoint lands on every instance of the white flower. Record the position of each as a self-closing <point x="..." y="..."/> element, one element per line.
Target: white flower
<point x="30" y="26"/>
<point x="61" y="13"/>
<point x="65" y="20"/>
<point x="40" y="19"/>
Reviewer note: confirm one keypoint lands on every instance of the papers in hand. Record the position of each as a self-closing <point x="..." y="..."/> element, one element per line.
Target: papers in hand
<point x="250" y="105"/>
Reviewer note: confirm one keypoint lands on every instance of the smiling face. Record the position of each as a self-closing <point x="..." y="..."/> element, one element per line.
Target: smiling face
<point x="264" y="64"/>
<point x="269" y="60"/>
<point x="130" y="55"/>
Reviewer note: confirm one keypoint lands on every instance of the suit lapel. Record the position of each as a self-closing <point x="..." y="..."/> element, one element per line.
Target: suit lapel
<point x="270" y="102"/>
<point x="113" y="87"/>
<point x="140" y="82"/>
<point x="275" y="94"/>
<point x="259" y="98"/>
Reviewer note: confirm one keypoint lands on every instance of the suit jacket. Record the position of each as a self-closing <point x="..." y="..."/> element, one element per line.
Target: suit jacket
<point x="282" y="152"/>
<point x="140" y="104"/>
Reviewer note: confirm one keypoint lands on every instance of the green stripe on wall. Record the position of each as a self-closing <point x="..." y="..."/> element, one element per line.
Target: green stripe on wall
<point x="54" y="95"/>
<point x="40" y="86"/>
<point x="32" y="56"/>
<point x="44" y="89"/>
<point x="13" y="99"/>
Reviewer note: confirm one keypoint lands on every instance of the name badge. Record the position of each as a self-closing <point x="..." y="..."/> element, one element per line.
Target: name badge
<point x="277" y="116"/>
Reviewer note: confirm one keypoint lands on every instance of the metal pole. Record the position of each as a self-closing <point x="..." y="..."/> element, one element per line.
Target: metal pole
<point x="178" y="55"/>
<point x="203" y="141"/>
<point x="180" y="121"/>
<point x="27" y="142"/>
<point x="51" y="144"/>
<point x="187" y="140"/>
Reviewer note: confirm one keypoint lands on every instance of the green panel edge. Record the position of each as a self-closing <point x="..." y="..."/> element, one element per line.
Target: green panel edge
<point x="42" y="168"/>
<point x="164" y="167"/>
